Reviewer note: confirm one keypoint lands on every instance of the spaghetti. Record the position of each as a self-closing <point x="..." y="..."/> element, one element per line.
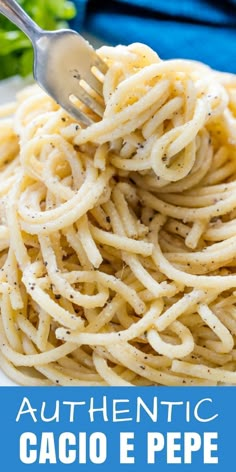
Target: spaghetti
<point x="118" y="241"/>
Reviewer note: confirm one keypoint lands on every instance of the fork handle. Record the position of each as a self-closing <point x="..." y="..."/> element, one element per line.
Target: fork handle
<point x="12" y="10"/>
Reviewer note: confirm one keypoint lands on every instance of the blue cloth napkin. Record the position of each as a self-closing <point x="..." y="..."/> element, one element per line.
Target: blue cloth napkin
<point x="203" y="30"/>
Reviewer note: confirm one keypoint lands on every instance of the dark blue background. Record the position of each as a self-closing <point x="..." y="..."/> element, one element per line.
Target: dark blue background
<point x="203" y="30"/>
<point x="223" y="404"/>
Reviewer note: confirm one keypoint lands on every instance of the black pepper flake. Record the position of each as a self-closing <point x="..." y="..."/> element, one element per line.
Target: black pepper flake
<point x="57" y="297"/>
<point x="108" y="219"/>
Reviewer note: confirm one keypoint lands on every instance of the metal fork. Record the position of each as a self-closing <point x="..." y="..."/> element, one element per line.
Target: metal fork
<point x="65" y="65"/>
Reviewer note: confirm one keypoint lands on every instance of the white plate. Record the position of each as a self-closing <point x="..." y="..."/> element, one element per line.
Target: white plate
<point x="5" y="381"/>
<point x="9" y="88"/>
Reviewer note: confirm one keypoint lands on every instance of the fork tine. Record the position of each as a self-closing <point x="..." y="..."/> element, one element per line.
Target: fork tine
<point x="76" y="113"/>
<point x="97" y="61"/>
<point x="93" y="82"/>
<point x="89" y="101"/>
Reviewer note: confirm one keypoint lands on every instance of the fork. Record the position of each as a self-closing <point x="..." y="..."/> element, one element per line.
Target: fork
<point x="65" y="65"/>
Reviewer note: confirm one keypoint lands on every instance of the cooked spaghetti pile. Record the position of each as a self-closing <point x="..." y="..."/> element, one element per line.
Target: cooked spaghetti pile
<point x="118" y="241"/>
